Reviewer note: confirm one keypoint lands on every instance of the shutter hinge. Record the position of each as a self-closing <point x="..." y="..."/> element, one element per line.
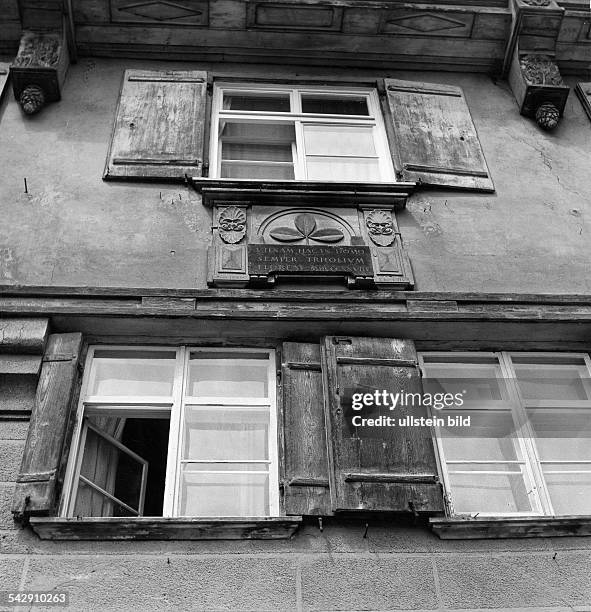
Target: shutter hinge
<point x="341" y="340"/>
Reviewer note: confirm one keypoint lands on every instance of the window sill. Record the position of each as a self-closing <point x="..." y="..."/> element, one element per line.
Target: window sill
<point x="324" y="192"/>
<point x="510" y="527"/>
<point x="158" y="528"/>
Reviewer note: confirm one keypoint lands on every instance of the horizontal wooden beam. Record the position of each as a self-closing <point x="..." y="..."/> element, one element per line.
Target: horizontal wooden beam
<point x="160" y="528"/>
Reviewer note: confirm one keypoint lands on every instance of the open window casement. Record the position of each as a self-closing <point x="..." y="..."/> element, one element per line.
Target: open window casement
<point x="334" y="466"/>
<point x="159" y="126"/>
<point x="433" y="138"/>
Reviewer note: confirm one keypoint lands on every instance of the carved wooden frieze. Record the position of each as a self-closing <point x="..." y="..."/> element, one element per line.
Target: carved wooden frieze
<point x="259" y="245"/>
<point x="583" y="91"/>
<point x="190" y="12"/>
<point x="411" y="22"/>
<point x="294" y="16"/>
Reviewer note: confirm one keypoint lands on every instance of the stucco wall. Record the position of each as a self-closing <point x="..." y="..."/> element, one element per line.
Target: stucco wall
<point x="72" y="228"/>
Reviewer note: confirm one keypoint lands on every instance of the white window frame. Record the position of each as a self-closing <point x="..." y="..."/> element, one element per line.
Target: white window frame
<point x="168" y="407"/>
<point x="525" y="437"/>
<point x="296" y="117"/>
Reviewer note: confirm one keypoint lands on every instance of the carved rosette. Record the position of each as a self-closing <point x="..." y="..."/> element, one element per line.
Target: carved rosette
<point x="232" y="224"/>
<point x="380" y="227"/>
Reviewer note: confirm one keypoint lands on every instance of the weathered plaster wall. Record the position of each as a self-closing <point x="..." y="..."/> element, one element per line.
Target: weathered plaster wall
<point x="393" y="568"/>
<point x="72" y="228"/>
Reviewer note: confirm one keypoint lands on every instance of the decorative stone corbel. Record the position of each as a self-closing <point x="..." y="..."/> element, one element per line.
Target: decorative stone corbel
<point x="538" y="87"/>
<point x="39" y="69"/>
<point x="530" y="63"/>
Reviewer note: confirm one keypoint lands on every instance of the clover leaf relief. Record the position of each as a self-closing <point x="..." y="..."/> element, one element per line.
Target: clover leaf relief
<point x="305" y="229"/>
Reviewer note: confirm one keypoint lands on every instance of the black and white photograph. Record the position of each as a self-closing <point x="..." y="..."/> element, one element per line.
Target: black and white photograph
<point x="295" y="305"/>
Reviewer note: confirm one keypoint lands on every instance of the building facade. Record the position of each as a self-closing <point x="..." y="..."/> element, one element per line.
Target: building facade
<point x="236" y="235"/>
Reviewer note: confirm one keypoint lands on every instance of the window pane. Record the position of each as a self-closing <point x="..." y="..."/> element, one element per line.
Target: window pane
<point x="491" y="436"/>
<point x="334" y="105"/>
<point x="561" y="434"/>
<point x="257" y="152"/>
<point x="488" y="488"/>
<point x="257" y="131"/>
<point x="263" y="101"/>
<point x="229" y="494"/>
<point x="228" y="375"/>
<point x="258" y="171"/>
<point x="547" y="382"/>
<point x="148" y="373"/>
<point x="569" y="486"/>
<point x="112" y="470"/>
<point x="339" y="140"/>
<point x="342" y="169"/>
<point x="230" y="434"/>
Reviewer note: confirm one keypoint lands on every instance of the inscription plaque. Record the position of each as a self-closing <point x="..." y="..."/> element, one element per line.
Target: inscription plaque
<point x="273" y="258"/>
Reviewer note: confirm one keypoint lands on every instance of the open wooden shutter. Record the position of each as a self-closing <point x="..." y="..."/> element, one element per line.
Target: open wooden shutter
<point x="36" y="484"/>
<point x="4" y="72"/>
<point x="390" y="469"/>
<point x="159" y="126"/>
<point x="305" y="464"/>
<point x="434" y="138"/>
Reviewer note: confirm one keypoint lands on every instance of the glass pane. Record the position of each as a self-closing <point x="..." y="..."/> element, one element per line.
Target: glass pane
<point x="334" y="105"/>
<point x="339" y="140"/>
<point x="112" y="470"/>
<point x="259" y="101"/>
<point x="258" y="171"/>
<point x="547" y="382"/>
<point x="227" y="374"/>
<point x="231" y="434"/>
<point x="476" y="382"/>
<point x="343" y="169"/>
<point x="132" y="373"/>
<point x="484" y="489"/>
<point x="561" y="434"/>
<point x="570" y="492"/>
<point x="229" y="494"/>
<point x="257" y="152"/>
<point x="259" y="131"/>
<point x="490" y="436"/>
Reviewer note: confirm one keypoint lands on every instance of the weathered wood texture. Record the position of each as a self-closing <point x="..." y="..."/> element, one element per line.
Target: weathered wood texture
<point x="36" y="483"/>
<point x="583" y="91"/>
<point x="305" y="464"/>
<point x="510" y="527"/>
<point x="391" y="469"/>
<point x="23" y="336"/>
<point x="434" y="136"/>
<point x="4" y="72"/>
<point x="142" y="528"/>
<point x="159" y="124"/>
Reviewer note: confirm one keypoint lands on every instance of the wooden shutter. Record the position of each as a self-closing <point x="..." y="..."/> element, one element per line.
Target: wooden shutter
<point x="4" y="72"/>
<point x="377" y="468"/>
<point x="434" y="139"/>
<point x="159" y="126"/>
<point x="305" y="464"/>
<point x="35" y="492"/>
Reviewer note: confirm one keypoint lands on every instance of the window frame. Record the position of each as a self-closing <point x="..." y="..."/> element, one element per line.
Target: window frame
<point x="299" y="119"/>
<point x="525" y="437"/>
<point x="168" y="407"/>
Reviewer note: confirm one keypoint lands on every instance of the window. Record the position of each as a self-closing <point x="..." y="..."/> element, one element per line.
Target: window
<point x="527" y="450"/>
<point x="185" y="432"/>
<point x="315" y="134"/>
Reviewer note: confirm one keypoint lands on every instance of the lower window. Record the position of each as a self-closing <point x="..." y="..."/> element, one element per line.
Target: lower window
<point x="518" y="442"/>
<point x="175" y="432"/>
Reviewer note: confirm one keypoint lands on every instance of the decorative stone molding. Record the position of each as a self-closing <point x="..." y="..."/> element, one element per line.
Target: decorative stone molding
<point x="232" y="224"/>
<point x="380" y="227"/>
<point x="39" y="69"/>
<point x="583" y="91"/>
<point x="537" y="2"/>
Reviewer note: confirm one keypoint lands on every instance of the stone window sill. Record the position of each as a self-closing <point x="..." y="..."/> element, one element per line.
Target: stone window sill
<point x="325" y="193"/>
<point x="159" y="528"/>
<point x="510" y="527"/>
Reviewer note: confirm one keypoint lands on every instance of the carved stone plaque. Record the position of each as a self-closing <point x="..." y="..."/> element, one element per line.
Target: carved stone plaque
<point x="266" y="259"/>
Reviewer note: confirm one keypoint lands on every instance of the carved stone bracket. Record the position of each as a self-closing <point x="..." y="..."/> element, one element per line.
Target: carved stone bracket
<point x="539" y="88"/>
<point x="39" y="69"/>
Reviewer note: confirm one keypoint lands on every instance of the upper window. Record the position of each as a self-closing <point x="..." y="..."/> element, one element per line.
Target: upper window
<point x="527" y="448"/>
<point x="175" y="432"/>
<point x="286" y="133"/>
